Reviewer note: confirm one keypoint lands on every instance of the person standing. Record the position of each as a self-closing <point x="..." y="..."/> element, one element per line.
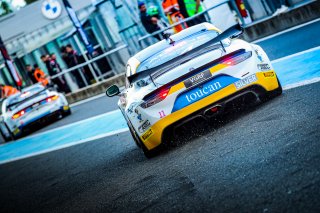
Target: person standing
<point x="7" y="91"/>
<point x="71" y="58"/>
<point x="53" y="69"/>
<point x="40" y="76"/>
<point x="149" y="23"/>
<point x="172" y="10"/>
<point x="189" y="8"/>
<point x="30" y="73"/>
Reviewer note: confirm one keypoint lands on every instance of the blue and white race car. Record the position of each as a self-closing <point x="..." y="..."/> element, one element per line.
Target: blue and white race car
<point x="32" y="106"/>
<point x="195" y="73"/>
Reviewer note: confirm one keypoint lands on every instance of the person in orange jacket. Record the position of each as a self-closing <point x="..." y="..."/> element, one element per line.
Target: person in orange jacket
<point x="172" y="10"/>
<point x="7" y="91"/>
<point x="40" y="76"/>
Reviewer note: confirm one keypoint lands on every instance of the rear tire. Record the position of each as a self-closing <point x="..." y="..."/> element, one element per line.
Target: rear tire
<point x="7" y="137"/>
<point x="148" y="153"/>
<point x="66" y="113"/>
<point x="135" y="137"/>
<point x="273" y="93"/>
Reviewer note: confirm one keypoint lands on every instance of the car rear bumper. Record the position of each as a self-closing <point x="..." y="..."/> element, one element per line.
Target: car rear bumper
<point x="266" y="82"/>
<point x="37" y="122"/>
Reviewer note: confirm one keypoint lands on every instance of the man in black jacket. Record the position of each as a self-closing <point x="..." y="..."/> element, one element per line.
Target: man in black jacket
<point x="53" y="69"/>
<point x="149" y="23"/>
<point x="30" y="72"/>
<point x="71" y="57"/>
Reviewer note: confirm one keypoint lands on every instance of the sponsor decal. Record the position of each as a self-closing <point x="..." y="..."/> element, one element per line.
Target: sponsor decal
<point x="130" y="109"/>
<point x="123" y="101"/>
<point x="162" y="114"/>
<point x="198" y="78"/>
<point x="206" y="89"/>
<point x="16" y="131"/>
<point x="144" y="126"/>
<point x="244" y="82"/>
<point x="259" y="56"/>
<point x="147" y="135"/>
<point x="140" y="118"/>
<point x="263" y="67"/>
<point x="268" y="74"/>
<point x="203" y="91"/>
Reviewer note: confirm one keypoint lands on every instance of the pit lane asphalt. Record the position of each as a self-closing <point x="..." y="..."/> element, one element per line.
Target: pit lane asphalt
<point x="265" y="159"/>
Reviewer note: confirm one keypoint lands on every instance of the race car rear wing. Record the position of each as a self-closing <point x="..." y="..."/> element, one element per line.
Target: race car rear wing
<point x="232" y="32"/>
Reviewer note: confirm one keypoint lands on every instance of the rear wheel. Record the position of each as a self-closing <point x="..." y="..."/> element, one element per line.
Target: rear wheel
<point x="135" y="137"/>
<point x="149" y="153"/>
<point x="140" y="144"/>
<point x="273" y="93"/>
<point x="5" y="133"/>
<point x="66" y="112"/>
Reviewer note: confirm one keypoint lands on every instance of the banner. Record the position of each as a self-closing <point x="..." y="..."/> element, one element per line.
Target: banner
<point x="9" y="64"/>
<point x="76" y="22"/>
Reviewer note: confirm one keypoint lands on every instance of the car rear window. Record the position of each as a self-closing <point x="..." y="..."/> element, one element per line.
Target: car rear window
<point x="26" y="94"/>
<point x="178" y="49"/>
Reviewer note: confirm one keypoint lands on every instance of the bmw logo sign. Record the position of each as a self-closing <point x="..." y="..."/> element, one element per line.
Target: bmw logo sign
<point x="51" y="9"/>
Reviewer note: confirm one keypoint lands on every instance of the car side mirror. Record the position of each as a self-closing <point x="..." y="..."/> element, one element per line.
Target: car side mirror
<point x="113" y="91"/>
<point x="237" y="31"/>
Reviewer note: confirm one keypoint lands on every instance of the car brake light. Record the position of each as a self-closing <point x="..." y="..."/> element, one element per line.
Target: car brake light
<point x="18" y="114"/>
<point x="52" y="98"/>
<point x="158" y="97"/>
<point x="236" y="59"/>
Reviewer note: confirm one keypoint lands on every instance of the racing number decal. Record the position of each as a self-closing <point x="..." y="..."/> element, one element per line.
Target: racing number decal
<point x="162" y="114"/>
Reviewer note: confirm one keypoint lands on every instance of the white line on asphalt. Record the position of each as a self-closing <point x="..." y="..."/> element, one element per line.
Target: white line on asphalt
<point x="285" y="31"/>
<point x="65" y="126"/>
<point x="91" y="99"/>
<point x="87" y="100"/>
<point x="302" y="83"/>
<point x="296" y="54"/>
<point x="68" y="145"/>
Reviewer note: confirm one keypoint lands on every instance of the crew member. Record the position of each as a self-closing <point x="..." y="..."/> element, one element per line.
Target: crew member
<point x="7" y="91"/>
<point x="172" y="10"/>
<point x="40" y="76"/>
<point x="192" y="7"/>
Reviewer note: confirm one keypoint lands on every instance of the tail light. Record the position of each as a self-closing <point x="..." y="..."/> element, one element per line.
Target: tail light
<point x="52" y="98"/>
<point x="47" y="100"/>
<point x="236" y="59"/>
<point x="155" y="98"/>
<point x="18" y="114"/>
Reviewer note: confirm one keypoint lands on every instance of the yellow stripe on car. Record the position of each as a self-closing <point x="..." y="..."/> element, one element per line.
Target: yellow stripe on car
<point x="154" y="139"/>
<point x="217" y="68"/>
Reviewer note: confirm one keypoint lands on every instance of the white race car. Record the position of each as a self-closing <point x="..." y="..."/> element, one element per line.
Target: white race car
<point x="195" y="73"/>
<point x="30" y="107"/>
